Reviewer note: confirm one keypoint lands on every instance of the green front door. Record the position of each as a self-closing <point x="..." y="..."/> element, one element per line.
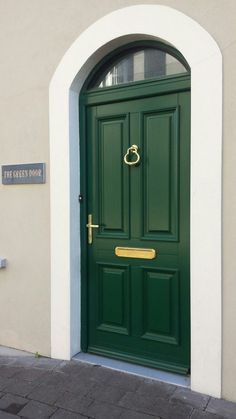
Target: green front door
<point x="137" y="309"/>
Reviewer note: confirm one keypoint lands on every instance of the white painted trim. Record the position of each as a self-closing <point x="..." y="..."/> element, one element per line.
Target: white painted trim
<point x="204" y="58"/>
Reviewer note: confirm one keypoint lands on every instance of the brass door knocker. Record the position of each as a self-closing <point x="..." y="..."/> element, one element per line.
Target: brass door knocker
<point x="133" y="150"/>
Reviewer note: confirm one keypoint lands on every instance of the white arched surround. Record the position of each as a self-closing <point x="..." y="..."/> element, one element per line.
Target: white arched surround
<point x="204" y="57"/>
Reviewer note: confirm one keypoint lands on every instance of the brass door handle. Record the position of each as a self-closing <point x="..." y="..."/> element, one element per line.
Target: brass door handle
<point x="133" y="150"/>
<point x="90" y="227"/>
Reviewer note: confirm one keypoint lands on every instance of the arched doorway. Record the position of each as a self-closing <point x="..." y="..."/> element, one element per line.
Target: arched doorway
<point x="135" y="195"/>
<point x="113" y="30"/>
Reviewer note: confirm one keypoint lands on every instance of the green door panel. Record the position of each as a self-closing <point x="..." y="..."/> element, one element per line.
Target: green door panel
<point x="137" y="309"/>
<point x="160" y="175"/>
<point x="112" y="197"/>
<point x="113" y="298"/>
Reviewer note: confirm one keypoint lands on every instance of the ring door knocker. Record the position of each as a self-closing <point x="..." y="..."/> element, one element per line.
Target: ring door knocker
<point x="133" y="150"/>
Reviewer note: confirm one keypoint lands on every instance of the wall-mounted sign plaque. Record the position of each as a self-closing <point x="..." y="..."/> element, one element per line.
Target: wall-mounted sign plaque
<point x="23" y="173"/>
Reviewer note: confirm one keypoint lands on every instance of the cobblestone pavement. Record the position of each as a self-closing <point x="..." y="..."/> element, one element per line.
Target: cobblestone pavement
<point x="41" y="388"/>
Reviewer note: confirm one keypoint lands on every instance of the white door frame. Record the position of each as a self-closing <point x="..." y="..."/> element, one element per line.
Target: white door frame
<point x="204" y="57"/>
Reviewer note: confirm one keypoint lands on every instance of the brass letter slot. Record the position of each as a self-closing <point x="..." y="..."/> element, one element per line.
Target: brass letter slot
<point x="135" y="252"/>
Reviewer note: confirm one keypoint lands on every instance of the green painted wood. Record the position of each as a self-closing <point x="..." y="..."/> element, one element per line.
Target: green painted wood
<point x="113" y="304"/>
<point x="135" y="309"/>
<point x="136" y="90"/>
<point x="113" y="197"/>
<point x="160" y="197"/>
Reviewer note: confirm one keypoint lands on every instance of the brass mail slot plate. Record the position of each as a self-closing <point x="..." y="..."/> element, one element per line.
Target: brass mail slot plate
<point x="135" y="252"/>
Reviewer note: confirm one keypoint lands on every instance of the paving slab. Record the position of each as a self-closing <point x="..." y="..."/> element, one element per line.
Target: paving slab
<point x="199" y="414"/>
<point x="12" y="404"/>
<point x="222" y="407"/>
<point x="29" y="374"/>
<point x="172" y="411"/>
<point x="125" y="381"/>
<point x="6" y="360"/>
<point x="4" y="415"/>
<point x="37" y="410"/>
<point x="53" y="378"/>
<point x="139" y="402"/>
<point x="130" y="414"/>
<point x="155" y="406"/>
<point x="73" y="402"/>
<point x="64" y="414"/>
<point x="9" y="371"/>
<point x="190" y="397"/>
<point x="75" y="369"/>
<point x="42" y="388"/>
<point x="19" y="387"/>
<point x="46" y="363"/>
<point x="99" y="410"/>
<point x="78" y="385"/>
<point x="103" y="393"/>
<point x="5" y="351"/>
<point x="20" y="361"/>
<point x="47" y="393"/>
<point x="156" y="389"/>
<point x="95" y="373"/>
<point x="4" y="382"/>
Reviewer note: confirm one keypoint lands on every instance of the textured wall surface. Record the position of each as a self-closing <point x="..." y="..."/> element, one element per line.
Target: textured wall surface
<point x="34" y="35"/>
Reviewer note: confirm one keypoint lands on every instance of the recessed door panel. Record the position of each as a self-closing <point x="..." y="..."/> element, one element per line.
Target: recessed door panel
<point x="160" y="175"/>
<point x="112" y="179"/>
<point x="113" y="298"/>
<point x="160" y="305"/>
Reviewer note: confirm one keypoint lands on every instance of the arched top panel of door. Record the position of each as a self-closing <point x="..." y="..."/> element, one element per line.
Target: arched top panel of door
<point x="137" y="62"/>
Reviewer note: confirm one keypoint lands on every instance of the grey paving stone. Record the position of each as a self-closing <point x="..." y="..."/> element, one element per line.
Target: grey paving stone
<point x="19" y="387"/>
<point x="12" y="404"/>
<point x="172" y="411"/>
<point x="138" y="402"/>
<point x="78" y="385"/>
<point x="47" y="393"/>
<point x="76" y="372"/>
<point x="222" y="407"/>
<point x="52" y="378"/>
<point x="73" y="402"/>
<point x="53" y="381"/>
<point x="130" y="414"/>
<point x="63" y="414"/>
<point x="7" y="371"/>
<point x="46" y="363"/>
<point x="29" y="374"/>
<point x="72" y="367"/>
<point x="46" y="375"/>
<point x="99" y="410"/>
<point x="105" y="393"/>
<point x="92" y="373"/>
<point x="199" y="414"/>
<point x="37" y="410"/>
<point x="157" y="407"/>
<point x="126" y="382"/>
<point x="63" y="364"/>
<point x="190" y="397"/>
<point x="156" y="389"/>
<point x="1" y="395"/>
<point x="4" y="382"/>
<point x="4" y="415"/>
<point x="5" y="360"/>
<point x="21" y="361"/>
